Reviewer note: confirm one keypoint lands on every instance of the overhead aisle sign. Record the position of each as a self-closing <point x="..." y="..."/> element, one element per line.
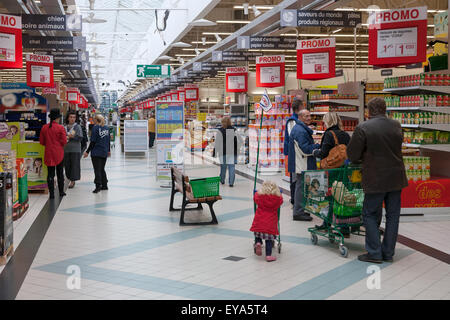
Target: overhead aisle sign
<point x="10" y="42"/>
<point x="237" y="79"/>
<point x="39" y="70"/>
<point x="270" y="71"/>
<point x="169" y="138"/>
<point x="319" y="18"/>
<point x="398" y="36"/>
<point x="316" y="58"/>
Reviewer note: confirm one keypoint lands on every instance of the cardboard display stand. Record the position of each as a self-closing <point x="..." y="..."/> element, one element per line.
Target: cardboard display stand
<point x="398" y="36"/>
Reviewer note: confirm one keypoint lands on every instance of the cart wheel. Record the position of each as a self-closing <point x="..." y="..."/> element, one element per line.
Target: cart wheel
<point x="279" y="247"/>
<point x="343" y="250"/>
<point x="314" y="239"/>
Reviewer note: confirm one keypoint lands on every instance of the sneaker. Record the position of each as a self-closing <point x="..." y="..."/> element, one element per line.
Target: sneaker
<point x="271" y="258"/>
<point x="258" y="249"/>
<point x="366" y="258"/>
<point x="302" y="217"/>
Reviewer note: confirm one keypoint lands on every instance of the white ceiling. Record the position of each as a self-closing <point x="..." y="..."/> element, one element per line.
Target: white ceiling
<point x="124" y="33"/>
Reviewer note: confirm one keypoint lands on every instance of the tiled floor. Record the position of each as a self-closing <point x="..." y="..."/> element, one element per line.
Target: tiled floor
<point x="127" y="245"/>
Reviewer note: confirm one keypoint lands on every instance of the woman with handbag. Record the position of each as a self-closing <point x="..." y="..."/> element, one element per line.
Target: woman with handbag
<point x="332" y="152"/>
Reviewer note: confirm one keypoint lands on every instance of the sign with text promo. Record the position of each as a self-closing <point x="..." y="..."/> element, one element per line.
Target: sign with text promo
<point x="10" y="42"/>
<point x="316" y="58"/>
<point x="39" y="70"/>
<point x="270" y="71"/>
<point x="236" y="79"/>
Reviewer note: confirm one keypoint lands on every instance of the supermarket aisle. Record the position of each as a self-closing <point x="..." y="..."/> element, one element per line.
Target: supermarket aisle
<point x="125" y="244"/>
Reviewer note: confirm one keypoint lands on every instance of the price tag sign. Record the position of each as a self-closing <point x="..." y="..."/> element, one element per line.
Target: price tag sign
<point x="10" y="42"/>
<point x="270" y="71"/>
<point x="39" y="70"/>
<point x="398" y="36"/>
<point x="237" y="79"/>
<point x="316" y="58"/>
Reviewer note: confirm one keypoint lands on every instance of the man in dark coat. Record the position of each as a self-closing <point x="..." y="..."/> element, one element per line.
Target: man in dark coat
<point x="290" y="123"/>
<point x="301" y="159"/>
<point x="378" y="144"/>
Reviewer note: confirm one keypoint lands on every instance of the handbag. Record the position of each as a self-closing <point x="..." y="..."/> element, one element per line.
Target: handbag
<point x="337" y="155"/>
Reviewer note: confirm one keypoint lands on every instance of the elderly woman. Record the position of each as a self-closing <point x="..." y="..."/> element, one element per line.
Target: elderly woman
<point x="72" y="150"/>
<point x="226" y="149"/>
<point x="333" y="123"/>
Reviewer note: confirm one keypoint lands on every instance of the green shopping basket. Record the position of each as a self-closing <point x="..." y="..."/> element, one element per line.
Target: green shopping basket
<point x="205" y="187"/>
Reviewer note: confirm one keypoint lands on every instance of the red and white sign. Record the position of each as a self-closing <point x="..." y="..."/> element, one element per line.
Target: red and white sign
<point x="151" y="104"/>
<point x="270" y="71"/>
<point x="236" y="79"/>
<point x="316" y="58"/>
<point x="190" y="92"/>
<point x="398" y="36"/>
<point x="39" y="70"/>
<point x="181" y="94"/>
<point x="73" y="95"/>
<point x="10" y="42"/>
<point x="174" y="95"/>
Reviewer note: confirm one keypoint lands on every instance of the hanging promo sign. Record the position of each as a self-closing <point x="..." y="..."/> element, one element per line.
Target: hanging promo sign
<point x="236" y="79"/>
<point x="181" y="96"/>
<point x="398" y="36"/>
<point x="39" y="70"/>
<point x="316" y="58"/>
<point x="73" y="95"/>
<point x="270" y="71"/>
<point x="10" y="42"/>
<point x="190" y="93"/>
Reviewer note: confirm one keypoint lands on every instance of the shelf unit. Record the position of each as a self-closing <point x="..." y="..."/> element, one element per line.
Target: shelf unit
<point x="439" y="153"/>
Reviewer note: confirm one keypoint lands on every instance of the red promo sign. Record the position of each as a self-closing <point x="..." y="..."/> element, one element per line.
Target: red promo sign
<point x="10" y="42"/>
<point x="151" y="103"/>
<point x="270" y="71"/>
<point x="236" y="79"/>
<point x="427" y="194"/>
<point x="316" y="58"/>
<point x="398" y="36"/>
<point x="174" y="95"/>
<point x="181" y="94"/>
<point x="73" y="95"/>
<point x="39" y="70"/>
<point x="190" y="92"/>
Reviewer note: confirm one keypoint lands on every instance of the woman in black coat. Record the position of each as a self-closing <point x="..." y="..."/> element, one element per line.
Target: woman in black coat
<point x="333" y="123"/>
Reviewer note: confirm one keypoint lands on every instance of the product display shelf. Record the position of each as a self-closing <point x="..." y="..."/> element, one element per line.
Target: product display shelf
<point x="418" y="90"/>
<point x="440" y="127"/>
<point x="349" y="102"/>
<point x="429" y="109"/>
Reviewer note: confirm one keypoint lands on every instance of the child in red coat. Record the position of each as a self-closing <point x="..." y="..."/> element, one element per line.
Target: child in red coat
<point x="265" y="223"/>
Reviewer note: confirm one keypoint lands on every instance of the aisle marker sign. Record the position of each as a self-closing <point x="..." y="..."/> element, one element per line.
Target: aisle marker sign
<point x="10" y="42"/>
<point x="39" y="70"/>
<point x="236" y="79"/>
<point x="398" y="36"/>
<point x="270" y="71"/>
<point x="316" y="58"/>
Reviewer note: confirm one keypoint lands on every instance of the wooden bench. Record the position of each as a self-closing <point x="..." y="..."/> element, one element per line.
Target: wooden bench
<point x="180" y="183"/>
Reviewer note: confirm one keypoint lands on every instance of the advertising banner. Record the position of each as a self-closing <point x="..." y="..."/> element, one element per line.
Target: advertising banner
<point x="398" y="36"/>
<point x="169" y="138"/>
<point x="270" y="71"/>
<point x="135" y="135"/>
<point x="426" y="194"/>
<point x="190" y="93"/>
<point x="319" y="18"/>
<point x="73" y="95"/>
<point x="316" y="58"/>
<point x="33" y="155"/>
<point x="236" y="79"/>
<point x="10" y="42"/>
<point x="39" y="70"/>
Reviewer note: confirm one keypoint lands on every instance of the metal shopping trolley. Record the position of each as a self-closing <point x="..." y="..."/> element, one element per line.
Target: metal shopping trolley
<point x="336" y="197"/>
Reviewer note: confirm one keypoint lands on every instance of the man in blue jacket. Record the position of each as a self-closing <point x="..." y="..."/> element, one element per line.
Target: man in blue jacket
<point x="290" y="123"/>
<point x="301" y="159"/>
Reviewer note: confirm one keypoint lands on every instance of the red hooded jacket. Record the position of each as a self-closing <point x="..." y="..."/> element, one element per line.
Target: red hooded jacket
<point x="266" y="217"/>
<point x="54" y="139"/>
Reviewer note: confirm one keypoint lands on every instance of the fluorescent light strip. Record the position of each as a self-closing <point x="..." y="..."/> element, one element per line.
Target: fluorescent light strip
<point x="262" y="7"/>
<point x="190" y="49"/>
<point x="233" y="21"/>
<point x="206" y="42"/>
<point x="219" y="33"/>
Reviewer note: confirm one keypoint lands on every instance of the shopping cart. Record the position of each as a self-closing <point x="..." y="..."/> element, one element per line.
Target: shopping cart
<point x="336" y="197"/>
<point x="278" y="238"/>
